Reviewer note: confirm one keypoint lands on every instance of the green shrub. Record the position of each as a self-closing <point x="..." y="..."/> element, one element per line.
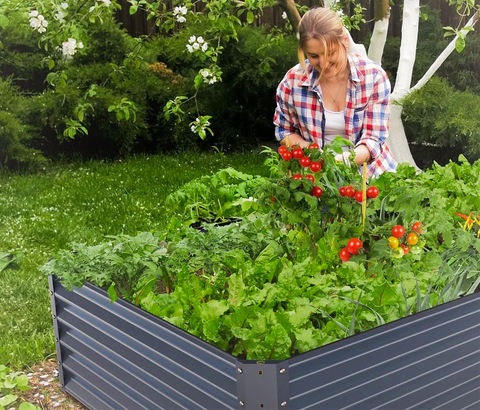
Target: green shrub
<point x="16" y="136"/>
<point x="462" y="70"/>
<point x="243" y="104"/>
<point x="437" y="114"/>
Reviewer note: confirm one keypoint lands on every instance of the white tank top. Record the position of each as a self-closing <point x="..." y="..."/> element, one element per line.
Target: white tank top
<point x="334" y="126"/>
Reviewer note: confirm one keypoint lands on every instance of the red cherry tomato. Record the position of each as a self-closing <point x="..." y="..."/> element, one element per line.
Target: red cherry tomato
<point x="350" y="191"/>
<point x="354" y="245"/>
<point x="405" y="248"/>
<point x="287" y="156"/>
<point x="282" y="149"/>
<point x="416" y="227"/>
<point x="398" y="231"/>
<point x="313" y="145"/>
<point x="315" y="166"/>
<point x="305" y="162"/>
<point x="297" y="176"/>
<point x="297" y="153"/>
<point x="310" y="177"/>
<point x="412" y="238"/>
<point x="359" y="196"/>
<point x="342" y="191"/>
<point x="345" y="255"/>
<point x="372" y="192"/>
<point x="317" y="191"/>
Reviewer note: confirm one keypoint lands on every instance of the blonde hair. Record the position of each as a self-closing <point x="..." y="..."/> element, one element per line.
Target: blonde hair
<point x="324" y="25"/>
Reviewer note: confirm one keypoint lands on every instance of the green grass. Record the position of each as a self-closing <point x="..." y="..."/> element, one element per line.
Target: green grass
<point x="45" y="212"/>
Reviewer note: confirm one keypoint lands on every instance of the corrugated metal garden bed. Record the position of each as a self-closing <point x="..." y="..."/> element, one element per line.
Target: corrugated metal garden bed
<point x="117" y="356"/>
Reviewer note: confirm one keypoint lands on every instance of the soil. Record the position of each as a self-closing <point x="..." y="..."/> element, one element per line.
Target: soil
<point x="46" y="391"/>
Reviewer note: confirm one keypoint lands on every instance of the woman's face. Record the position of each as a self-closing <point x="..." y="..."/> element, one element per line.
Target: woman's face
<point x="329" y="65"/>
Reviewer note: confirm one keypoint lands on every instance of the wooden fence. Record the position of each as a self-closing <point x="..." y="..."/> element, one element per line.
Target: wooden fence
<point x="138" y="24"/>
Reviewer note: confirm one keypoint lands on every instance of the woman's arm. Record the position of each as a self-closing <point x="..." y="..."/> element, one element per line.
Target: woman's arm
<point x="375" y="119"/>
<point x="285" y="119"/>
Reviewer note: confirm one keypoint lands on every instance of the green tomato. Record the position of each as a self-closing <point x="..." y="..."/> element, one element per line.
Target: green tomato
<point x="415" y="249"/>
<point x="398" y="252"/>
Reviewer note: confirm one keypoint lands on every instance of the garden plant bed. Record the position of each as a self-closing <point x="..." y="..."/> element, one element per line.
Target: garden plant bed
<point x="118" y="356"/>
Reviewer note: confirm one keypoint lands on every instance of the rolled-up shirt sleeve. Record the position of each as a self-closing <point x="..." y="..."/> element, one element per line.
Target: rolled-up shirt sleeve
<point x="376" y="118"/>
<point x="285" y="118"/>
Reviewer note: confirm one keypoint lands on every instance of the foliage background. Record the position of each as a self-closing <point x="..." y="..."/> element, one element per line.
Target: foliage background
<point x="151" y="71"/>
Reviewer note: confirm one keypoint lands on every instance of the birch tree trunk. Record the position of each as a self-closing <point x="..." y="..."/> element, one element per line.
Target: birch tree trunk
<point x="397" y="141"/>
<point x="380" y="30"/>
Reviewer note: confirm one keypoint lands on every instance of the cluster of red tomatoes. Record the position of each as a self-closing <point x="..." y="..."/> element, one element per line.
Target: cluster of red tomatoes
<point x="298" y="153"/>
<point x="351" y="192"/>
<point x="316" y="190"/>
<point x="352" y="248"/>
<point x="400" y="248"/>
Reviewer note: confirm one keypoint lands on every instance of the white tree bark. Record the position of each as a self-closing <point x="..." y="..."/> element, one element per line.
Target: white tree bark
<point x="397" y="140"/>
<point x="408" y="48"/>
<point x="378" y="40"/>
<point x="443" y="56"/>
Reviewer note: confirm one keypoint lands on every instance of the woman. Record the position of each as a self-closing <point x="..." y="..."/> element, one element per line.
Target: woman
<point x="334" y="93"/>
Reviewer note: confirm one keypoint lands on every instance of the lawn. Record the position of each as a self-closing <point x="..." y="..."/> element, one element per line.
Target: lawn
<point x="82" y="202"/>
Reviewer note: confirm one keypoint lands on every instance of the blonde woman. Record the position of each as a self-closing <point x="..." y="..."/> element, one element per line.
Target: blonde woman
<point x="332" y="92"/>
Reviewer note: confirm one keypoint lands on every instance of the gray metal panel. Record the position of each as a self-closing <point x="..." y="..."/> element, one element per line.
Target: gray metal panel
<point x="425" y="361"/>
<point x="116" y="356"/>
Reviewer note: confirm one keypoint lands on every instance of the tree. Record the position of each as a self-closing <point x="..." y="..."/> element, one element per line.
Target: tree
<point x="224" y="16"/>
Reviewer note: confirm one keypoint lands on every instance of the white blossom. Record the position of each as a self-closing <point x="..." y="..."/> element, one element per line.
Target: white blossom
<point x="60" y="16"/>
<point x="91" y="9"/>
<point x="200" y="40"/>
<point x="181" y="19"/>
<point x="192" y="39"/>
<point x="204" y="46"/>
<point x="189" y="48"/>
<point x="193" y="127"/>
<point x="38" y="22"/>
<point x="284" y="15"/>
<point x="106" y="2"/>
<point x="180" y="10"/>
<point x="205" y="73"/>
<point x="69" y="48"/>
<point x="64" y="5"/>
<point x="196" y="46"/>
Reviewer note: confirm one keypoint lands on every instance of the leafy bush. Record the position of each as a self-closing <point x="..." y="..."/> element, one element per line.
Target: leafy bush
<point x="242" y="105"/>
<point x="461" y="70"/>
<point x="16" y="136"/>
<point x="438" y="115"/>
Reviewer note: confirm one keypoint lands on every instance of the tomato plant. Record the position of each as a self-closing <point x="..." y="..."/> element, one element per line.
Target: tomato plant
<point x="405" y="248"/>
<point x="393" y="242"/>
<point x="354" y="245"/>
<point x="305" y="162"/>
<point x="372" y="192"/>
<point x="345" y="254"/>
<point x="398" y="231"/>
<point x="315" y="166"/>
<point x="416" y="227"/>
<point x="412" y="238"/>
<point x="398" y="252"/>
<point x="350" y="191"/>
<point x="287" y="156"/>
<point x="310" y="177"/>
<point x="297" y="153"/>
<point x="282" y="149"/>
<point x="359" y="196"/>
<point x="317" y="191"/>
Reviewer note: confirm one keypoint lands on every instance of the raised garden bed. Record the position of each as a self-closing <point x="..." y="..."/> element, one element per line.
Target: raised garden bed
<point x="117" y="356"/>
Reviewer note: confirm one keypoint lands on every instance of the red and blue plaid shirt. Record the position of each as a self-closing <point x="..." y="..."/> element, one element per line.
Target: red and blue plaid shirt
<point x="300" y="109"/>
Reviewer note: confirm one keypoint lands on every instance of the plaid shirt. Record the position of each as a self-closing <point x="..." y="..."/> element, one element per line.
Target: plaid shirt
<point x="300" y="109"/>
